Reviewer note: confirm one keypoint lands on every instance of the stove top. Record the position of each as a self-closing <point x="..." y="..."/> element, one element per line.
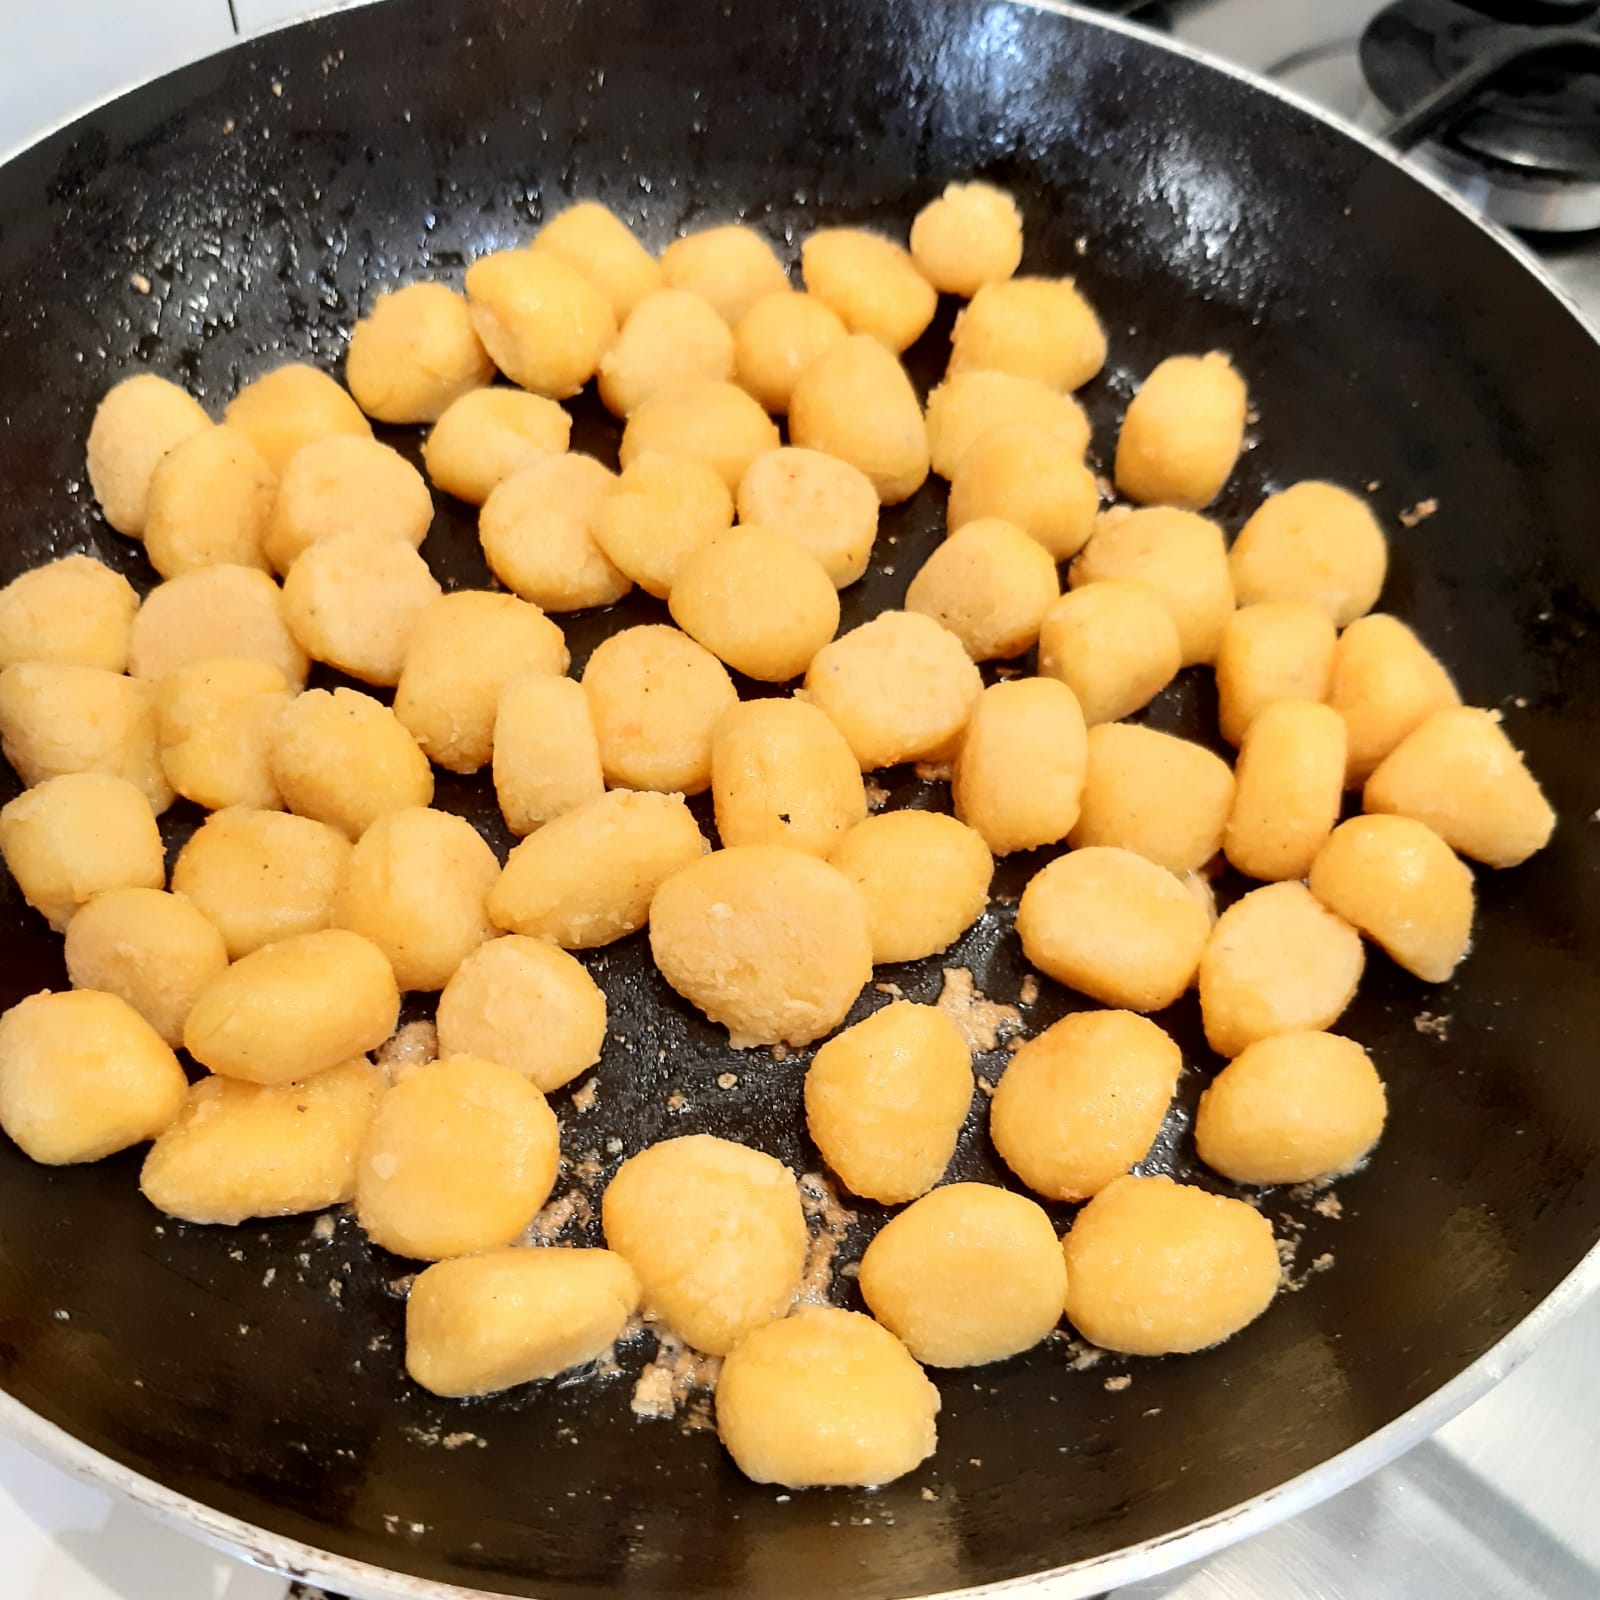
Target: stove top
<point x="1497" y="1506"/>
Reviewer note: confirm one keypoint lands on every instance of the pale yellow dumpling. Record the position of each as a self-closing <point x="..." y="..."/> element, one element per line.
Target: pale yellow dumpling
<point x="1084" y="1101"/>
<point x="596" y="242"/>
<point x="1019" y="777"/>
<point x="1278" y="651"/>
<point x="1114" y="926"/>
<point x="240" y="1150"/>
<point x="1291" y="1109"/>
<point x="293" y="1009"/>
<point x="1164" y="797"/>
<point x="73" y="837"/>
<point x="76" y="611"/>
<point x="1039" y="328"/>
<point x="56" y="719"/>
<point x="587" y="877"/>
<point x="546" y="753"/>
<point x="417" y="885"/>
<point x="714" y="421"/>
<point x="415" y="354"/>
<point x="288" y="407"/>
<point x="781" y="773"/>
<point x="1113" y="643"/>
<point x="669" y="336"/>
<point x="1288" y="787"/>
<point x="771" y="943"/>
<point x="826" y="506"/>
<point x="886" y="1098"/>
<point x="1313" y="541"/>
<point x="730" y="266"/>
<point x="210" y="500"/>
<point x="971" y="235"/>
<point x="870" y="282"/>
<point x="83" y="1075"/>
<point x="968" y="404"/>
<point x="543" y="323"/>
<point x="459" y="1157"/>
<point x="856" y="402"/>
<point x="353" y="601"/>
<point x="757" y="601"/>
<point x="482" y="1323"/>
<point x="526" y="1004"/>
<point x="715" y="1233"/>
<point x="345" y="759"/>
<point x="261" y="876"/>
<point x="1183" y="432"/>
<point x="137" y="422"/>
<point x="777" y="339"/>
<point x="465" y="648"/>
<point x="1180" y="555"/>
<point x="344" y="484"/>
<point x="1457" y="772"/>
<point x="1277" y="961"/>
<point x="969" y="1274"/>
<point x="537" y="532"/>
<point x="990" y="585"/>
<point x="923" y="876"/>
<point x="1156" y="1267"/>
<point x="825" y="1398"/>
<point x="1027" y="475"/>
<point x="216" y="720"/>
<point x="1403" y="887"/>
<point x="1384" y="682"/>
<point x="153" y="949"/>
<point x="486" y="435"/>
<point x="654" y="696"/>
<point x="209" y="612"/>
<point x="660" y="511"/>
<point x="899" y="688"/>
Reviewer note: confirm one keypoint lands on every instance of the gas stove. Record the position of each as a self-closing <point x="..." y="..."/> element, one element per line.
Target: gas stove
<point x="1498" y="1505"/>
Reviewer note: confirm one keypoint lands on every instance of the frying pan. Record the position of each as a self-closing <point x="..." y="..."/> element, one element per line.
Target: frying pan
<point x="248" y="1383"/>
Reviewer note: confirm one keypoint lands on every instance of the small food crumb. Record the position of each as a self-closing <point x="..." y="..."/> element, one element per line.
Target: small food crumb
<point x="877" y="796"/>
<point x="936" y="771"/>
<point x="1374" y="485"/>
<point x="1119" y="1383"/>
<point x="1329" y="1206"/>
<point x="322" y="1228"/>
<point x="277" y="90"/>
<point x="974" y="1461"/>
<point x="61" y="1315"/>
<point x="1436" y="1026"/>
<point x="676" y="1101"/>
<point x="893" y="990"/>
<point x="1081" y="1357"/>
<point x="583" y="1099"/>
<point x="674" y="1378"/>
<point x="236" y="1254"/>
<point x="410" y="1046"/>
<point x="985" y="1087"/>
<point x="268" y="1276"/>
<point x="613" y="1147"/>
<point x="1154" y="1411"/>
<point x="574" y="1208"/>
<point x="227" y="127"/>
<point x="1029" y="991"/>
<point x="780" y="1051"/>
<point x="140" y="283"/>
<point x="982" y="1022"/>
<point x="1420" y="512"/>
<point x="335" y="1288"/>
<point x="831" y="1222"/>
<point x="454" y="1441"/>
<point x="727" y="1080"/>
<point x="928" y="1494"/>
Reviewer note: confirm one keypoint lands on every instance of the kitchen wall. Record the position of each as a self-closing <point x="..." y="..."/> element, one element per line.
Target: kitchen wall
<point x="59" y="57"/>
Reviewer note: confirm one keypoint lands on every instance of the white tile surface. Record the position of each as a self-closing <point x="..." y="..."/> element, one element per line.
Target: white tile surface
<point x="58" y="57"/>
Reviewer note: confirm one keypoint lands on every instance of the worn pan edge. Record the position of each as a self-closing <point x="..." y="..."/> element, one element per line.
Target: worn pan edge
<point x="293" y="1559"/>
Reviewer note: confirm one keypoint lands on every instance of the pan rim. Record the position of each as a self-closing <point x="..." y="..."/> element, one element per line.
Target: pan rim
<point x="294" y="1559"/>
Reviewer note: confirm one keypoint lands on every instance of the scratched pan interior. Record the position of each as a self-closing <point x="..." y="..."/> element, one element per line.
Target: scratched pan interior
<point x="267" y="194"/>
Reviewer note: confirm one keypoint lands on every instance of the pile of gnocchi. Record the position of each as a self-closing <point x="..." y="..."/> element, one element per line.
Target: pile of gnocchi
<point x="763" y="427"/>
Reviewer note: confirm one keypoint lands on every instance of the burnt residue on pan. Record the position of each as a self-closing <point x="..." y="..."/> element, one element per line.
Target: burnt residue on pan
<point x="245" y="211"/>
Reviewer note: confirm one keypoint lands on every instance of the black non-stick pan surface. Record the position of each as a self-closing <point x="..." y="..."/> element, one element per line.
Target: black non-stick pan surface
<point x="264" y="197"/>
